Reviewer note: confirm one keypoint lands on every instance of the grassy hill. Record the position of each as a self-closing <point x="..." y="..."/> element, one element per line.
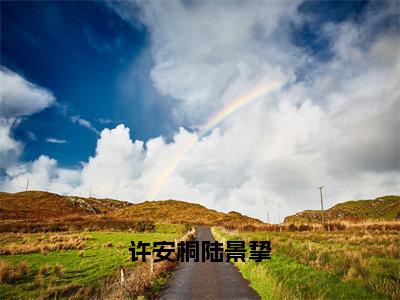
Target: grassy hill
<point x="37" y="205"/>
<point x="382" y="208"/>
<point x="44" y="205"/>
<point x="181" y="212"/>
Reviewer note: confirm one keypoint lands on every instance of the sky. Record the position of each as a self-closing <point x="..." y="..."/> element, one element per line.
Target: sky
<point x="244" y="106"/>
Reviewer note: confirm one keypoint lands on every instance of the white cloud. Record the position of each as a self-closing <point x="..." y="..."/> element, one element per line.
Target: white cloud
<point x="85" y="123"/>
<point x="108" y="173"/>
<point x="10" y="149"/>
<point x="31" y="136"/>
<point x="19" y="97"/>
<point x="108" y="121"/>
<point x="43" y="174"/>
<point x="206" y="53"/>
<point x="56" y="141"/>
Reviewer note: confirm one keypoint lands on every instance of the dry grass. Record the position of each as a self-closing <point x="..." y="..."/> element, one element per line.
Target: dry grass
<point x="11" y="274"/>
<point x="69" y="291"/>
<point x="41" y="244"/>
<point x="44" y="270"/>
<point x="58" y="270"/>
<point x="37" y="282"/>
<point x="78" y="223"/>
<point x="139" y="280"/>
<point x="44" y="205"/>
<point x="367" y="226"/>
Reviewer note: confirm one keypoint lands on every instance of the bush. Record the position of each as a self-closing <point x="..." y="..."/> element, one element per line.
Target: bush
<point x="143" y="226"/>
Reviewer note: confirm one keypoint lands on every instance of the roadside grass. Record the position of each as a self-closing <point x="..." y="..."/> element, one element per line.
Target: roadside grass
<point x="310" y="265"/>
<point x="61" y="271"/>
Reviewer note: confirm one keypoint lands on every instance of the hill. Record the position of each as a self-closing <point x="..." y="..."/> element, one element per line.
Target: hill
<point x="382" y="208"/>
<point x="174" y="211"/>
<point x="43" y="205"/>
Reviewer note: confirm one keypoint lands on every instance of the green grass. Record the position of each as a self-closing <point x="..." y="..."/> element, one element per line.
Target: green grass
<point x="382" y="208"/>
<point x="286" y="277"/>
<point x="99" y="261"/>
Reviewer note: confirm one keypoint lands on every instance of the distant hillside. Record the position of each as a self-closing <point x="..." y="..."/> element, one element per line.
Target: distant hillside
<point x="44" y="205"/>
<point x="37" y="205"/>
<point x="181" y="212"/>
<point x="382" y="208"/>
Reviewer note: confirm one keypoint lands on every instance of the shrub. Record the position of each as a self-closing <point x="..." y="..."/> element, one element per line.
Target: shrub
<point x="144" y="226"/>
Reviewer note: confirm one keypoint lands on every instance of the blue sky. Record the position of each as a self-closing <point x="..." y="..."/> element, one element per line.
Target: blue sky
<point x="80" y="51"/>
<point x="79" y="69"/>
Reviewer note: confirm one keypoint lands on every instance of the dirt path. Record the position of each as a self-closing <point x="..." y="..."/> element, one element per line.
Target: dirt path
<point x="207" y="280"/>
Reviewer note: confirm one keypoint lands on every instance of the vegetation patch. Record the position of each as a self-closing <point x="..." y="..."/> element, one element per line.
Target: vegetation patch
<point x="323" y="264"/>
<point x="73" y="272"/>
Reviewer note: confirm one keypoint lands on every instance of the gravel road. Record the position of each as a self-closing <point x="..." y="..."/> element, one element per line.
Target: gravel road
<point x="207" y="280"/>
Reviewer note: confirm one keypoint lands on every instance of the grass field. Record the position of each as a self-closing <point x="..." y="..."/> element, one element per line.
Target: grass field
<point x="86" y="259"/>
<point x="324" y="264"/>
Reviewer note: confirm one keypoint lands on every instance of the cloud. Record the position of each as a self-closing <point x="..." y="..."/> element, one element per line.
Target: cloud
<point x="124" y="167"/>
<point x="56" y="141"/>
<point x="206" y="54"/>
<point x="105" y="121"/>
<point x="31" y="136"/>
<point x="20" y="97"/>
<point x="43" y="174"/>
<point x="336" y="125"/>
<point x="10" y="149"/>
<point x="85" y="123"/>
<point x="108" y="121"/>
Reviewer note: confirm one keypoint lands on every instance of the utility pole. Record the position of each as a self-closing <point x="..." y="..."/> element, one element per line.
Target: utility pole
<point x="27" y="185"/>
<point x="279" y="217"/>
<point x="322" y="202"/>
<point x="90" y="192"/>
<point x="267" y="216"/>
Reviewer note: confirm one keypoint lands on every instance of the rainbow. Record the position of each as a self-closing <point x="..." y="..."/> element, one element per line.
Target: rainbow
<point x="213" y="121"/>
